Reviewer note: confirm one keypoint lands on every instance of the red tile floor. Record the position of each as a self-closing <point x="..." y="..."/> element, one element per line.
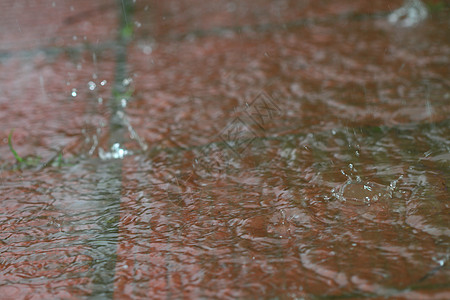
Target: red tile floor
<point x="231" y="150"/>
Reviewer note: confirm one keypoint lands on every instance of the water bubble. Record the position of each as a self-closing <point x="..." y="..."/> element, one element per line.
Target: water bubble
<point x="91" y="85"/>
<point x="74" y="93"/>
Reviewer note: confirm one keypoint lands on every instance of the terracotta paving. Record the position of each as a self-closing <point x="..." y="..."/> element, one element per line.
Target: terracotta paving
<point x="247" y="123"/>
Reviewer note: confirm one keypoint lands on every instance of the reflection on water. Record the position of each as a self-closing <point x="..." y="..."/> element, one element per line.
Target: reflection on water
<point x="59" y="231"/>
<point x="269" y="223"/>
<point x="273" y="150"/>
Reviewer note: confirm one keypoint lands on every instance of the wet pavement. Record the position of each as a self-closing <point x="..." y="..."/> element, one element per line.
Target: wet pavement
<point x="223" y="150"/>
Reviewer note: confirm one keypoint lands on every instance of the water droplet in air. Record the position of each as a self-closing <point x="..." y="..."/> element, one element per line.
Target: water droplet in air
<point x="91" y="85"/>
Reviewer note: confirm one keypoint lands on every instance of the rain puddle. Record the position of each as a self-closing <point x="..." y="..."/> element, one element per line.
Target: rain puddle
<point x="226" y="150"/>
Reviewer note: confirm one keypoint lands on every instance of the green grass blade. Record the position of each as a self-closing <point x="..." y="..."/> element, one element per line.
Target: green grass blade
<point x="18" y="158"/>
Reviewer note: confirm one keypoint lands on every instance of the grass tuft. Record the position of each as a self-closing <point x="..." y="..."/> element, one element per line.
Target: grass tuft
<point x="17" y="156"/>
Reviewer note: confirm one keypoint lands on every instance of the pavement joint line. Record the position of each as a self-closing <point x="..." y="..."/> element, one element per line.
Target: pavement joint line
<point x="55" y="50"/>
<point x="266" y="27"/>
<point x="271" y="27"/>
<point x="406" y="126"/>
<point x="103" y="279"/>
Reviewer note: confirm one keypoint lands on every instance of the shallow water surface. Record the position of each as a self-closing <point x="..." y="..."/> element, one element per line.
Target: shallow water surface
<point x="179" y="149"/>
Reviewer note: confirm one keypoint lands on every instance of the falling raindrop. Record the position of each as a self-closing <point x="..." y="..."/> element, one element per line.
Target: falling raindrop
<point x="103" y="82"/>
<point x="74" y="93"/>
<point x="91" y="85"/>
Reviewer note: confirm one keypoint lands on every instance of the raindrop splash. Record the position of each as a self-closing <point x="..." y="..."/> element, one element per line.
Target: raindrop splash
<point x="117" y="152"/>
